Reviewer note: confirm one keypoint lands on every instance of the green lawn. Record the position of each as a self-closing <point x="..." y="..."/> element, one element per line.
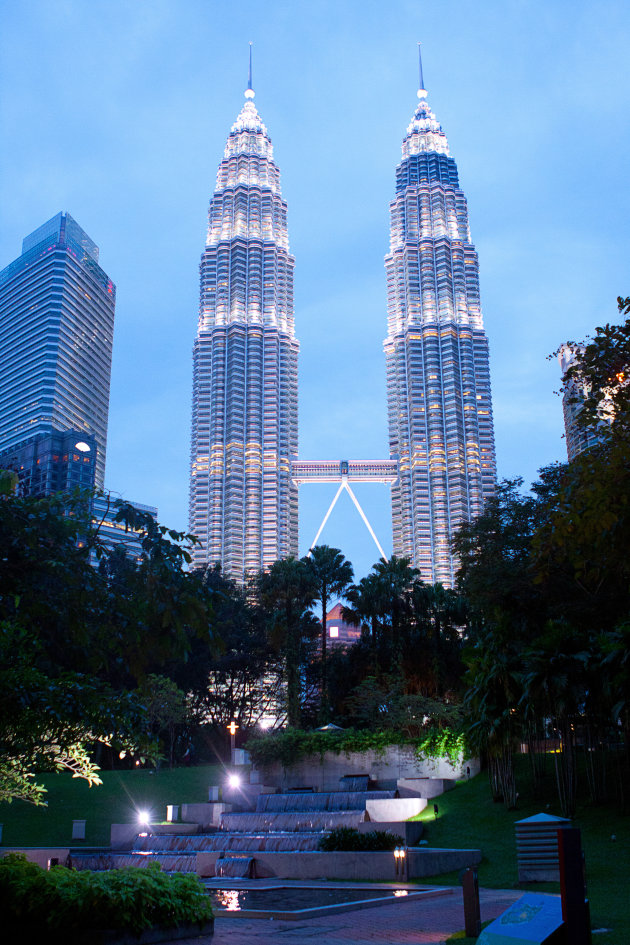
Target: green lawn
<point x="469" y="818"/>
<point x="115" y="801"/>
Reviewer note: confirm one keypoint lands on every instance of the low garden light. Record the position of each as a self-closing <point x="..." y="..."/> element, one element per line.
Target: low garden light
<point x="399" y="861"/>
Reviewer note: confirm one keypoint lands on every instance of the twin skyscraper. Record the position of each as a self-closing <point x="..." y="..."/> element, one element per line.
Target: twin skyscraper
<point x="244" y="465"/>
<point x="56" y="331"/>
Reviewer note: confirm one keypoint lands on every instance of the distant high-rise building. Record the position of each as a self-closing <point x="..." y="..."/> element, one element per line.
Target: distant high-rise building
<point x="577" y="438"/>
<point x="243" y="502"/>
<point x="56" y="333"/>
<point x="438" y="377"/>
<point x="115" y="534"/>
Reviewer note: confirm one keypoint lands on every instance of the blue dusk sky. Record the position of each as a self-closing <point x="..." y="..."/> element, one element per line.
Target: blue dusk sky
<point x="118" y="110"/>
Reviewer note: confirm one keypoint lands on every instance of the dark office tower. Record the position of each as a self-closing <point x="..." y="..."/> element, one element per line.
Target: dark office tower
<point x="243" y="503"/>
<point x="56" y="331"/>
<point x="438" y="377"/>
<point x="59" y="461"/>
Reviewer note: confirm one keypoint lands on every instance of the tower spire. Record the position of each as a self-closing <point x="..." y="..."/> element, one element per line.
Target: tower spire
<point x="249" y="91"/>
<point x="422" y="92"/>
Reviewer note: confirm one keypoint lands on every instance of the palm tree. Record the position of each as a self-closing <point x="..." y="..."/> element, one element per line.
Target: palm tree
<point x="287" y="591"/>
<point x="394" y="580"/>
<point x="439" y="614"/>
<point x="333" y="574"/>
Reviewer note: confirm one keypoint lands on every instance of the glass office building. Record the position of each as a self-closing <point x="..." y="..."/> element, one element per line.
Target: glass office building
<point x="243" y="503"/>
<point x="56" y="334"/>
<point x="58" y="461"/>
<point x="438" y="377"/>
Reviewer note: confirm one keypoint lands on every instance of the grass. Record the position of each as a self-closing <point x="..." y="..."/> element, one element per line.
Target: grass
<point x="116" y="801"/>
<point x="468" y="817"/>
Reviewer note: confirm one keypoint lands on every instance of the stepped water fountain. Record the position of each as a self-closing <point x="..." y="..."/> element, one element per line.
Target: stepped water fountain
<point x="282" y="823"/>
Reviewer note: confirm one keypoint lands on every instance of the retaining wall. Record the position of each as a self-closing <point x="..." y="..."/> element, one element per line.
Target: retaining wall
<point x="386" y="767"/>
<point x="40" y="855"/>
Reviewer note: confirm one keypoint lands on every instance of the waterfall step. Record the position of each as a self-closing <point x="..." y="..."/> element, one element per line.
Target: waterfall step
<point x="278" y="842"/>
<point x="241" y="866"/>
<point x="322" y="801"/>
<point x="300" y="821"/>
<point x="170" y="862"/>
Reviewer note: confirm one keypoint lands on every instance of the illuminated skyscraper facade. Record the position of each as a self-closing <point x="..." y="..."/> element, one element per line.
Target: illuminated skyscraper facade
<point x="243" y="502"/>
<point x="56" y="335"/>
<point x="438" y="378"/>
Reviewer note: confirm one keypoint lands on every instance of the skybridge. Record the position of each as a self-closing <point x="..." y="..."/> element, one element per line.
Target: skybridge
<point x="384" y="471"/>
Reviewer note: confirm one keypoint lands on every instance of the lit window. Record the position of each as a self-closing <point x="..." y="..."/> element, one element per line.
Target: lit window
<point x="334" y="631"/>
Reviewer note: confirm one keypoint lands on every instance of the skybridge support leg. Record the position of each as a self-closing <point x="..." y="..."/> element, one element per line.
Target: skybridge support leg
<point x="365" y="519"/>
<point x="346" y="485"/>
<point x="326" y="517"/>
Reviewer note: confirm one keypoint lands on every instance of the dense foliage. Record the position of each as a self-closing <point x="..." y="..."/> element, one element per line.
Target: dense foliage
<point x="35" y="902"/>
<point x="547" y="578"/>
<point x="76" y="641"/>
<point x="291" y="745"/>
<point x="351" y="839"/>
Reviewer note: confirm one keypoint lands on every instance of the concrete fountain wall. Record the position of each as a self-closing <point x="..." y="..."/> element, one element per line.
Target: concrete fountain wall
<point x="421" y="862"/>
<point x="387" y="767"/>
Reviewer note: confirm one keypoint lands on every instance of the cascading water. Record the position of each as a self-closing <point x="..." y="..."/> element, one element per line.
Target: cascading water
<point x="284" y="823"/>
<point x="291" y="821"/>
<point x="241" y="866"/>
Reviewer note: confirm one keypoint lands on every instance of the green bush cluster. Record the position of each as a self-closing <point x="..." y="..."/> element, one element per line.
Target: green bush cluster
<point x="291" y="745"/>
<point x="443" y="743"/>
<point x="349" y="839"/>
<point x="34" y="901"/>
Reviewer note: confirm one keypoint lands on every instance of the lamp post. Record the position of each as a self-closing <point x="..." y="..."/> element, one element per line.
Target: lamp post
<point x="232" y="730"/>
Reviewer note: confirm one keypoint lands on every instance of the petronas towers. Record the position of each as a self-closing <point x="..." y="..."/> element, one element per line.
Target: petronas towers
<point x="436" y="352"/>
<point x="243" y="502"/>
<point x="244" y="469"/>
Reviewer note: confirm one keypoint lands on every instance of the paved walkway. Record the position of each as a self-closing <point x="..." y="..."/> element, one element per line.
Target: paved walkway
<point x="419" y="922"/>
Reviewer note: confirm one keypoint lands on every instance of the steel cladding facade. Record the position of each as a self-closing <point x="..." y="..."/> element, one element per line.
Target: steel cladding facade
<point x="243" y="502"/>
<point x="437" y="359"/>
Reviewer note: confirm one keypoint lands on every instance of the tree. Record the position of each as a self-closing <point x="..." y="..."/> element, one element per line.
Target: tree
<point x="237" y="678"/>
<point x="287" y="591"/>
<point x="332" y="574"/>
<point x="166" y="709"/>
<point x="597" y="379"/>
<point x="439" y="617"/>
<point x="76" y="640"/>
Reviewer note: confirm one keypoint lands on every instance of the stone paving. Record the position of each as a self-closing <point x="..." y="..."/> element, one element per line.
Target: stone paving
<point x="419" y="922"/>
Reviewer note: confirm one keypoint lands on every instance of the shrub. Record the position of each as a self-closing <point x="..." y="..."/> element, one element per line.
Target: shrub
<point x="349" y="839"/>
<point x="289" y="746"/>
<point x="129" y="900"/>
